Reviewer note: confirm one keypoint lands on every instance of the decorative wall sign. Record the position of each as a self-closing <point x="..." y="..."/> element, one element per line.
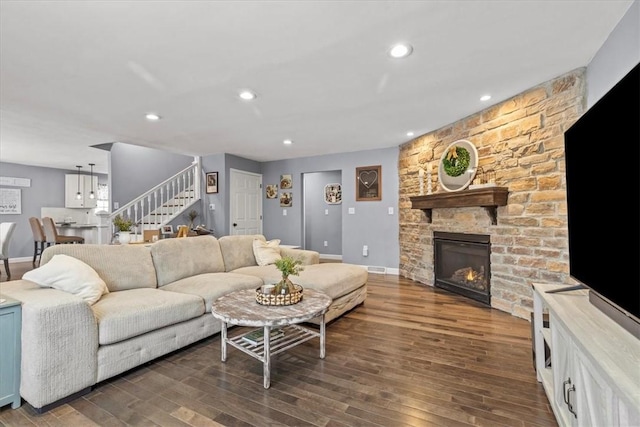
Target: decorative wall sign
<point x="271" y="191"/>
<point x="286" y="181"/>
<point x="368" y="183"/>
<point x="212" y="182"/>
<point x="333" y="194"/>
<point x="15" y="182"/>
<point x="286" y="200"/>
<point x="10" y="201"/>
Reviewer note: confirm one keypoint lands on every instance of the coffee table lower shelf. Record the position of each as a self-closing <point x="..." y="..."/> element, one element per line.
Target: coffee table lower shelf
<point x="293" y="335"/>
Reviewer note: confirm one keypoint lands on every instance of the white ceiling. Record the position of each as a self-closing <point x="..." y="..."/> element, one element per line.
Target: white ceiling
<point x="80" y="73"/>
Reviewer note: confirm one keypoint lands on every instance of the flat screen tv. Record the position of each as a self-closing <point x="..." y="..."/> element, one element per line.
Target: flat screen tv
<point x="602" y="156"/>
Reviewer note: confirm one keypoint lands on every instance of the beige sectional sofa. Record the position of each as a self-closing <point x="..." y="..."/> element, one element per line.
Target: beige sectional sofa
<point x="159" y="300"/>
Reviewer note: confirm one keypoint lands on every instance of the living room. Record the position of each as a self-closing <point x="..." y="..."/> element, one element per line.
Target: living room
<point x="394" y="240"/>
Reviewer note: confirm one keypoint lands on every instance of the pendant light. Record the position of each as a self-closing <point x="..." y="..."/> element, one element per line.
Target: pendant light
<point x="92" y="195"/>
<point x="78" y="194"/>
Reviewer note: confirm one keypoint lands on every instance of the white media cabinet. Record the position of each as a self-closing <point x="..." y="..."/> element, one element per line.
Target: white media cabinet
<point x="590" y="368"/>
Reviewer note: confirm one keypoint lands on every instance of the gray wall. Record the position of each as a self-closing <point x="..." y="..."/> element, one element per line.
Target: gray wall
<point x="322" y="222"/>
<point x="218" y="219"/>
<point x="617" y="56"/>
<point x="135" y="170"/>
<point x="370" y="224"/>
<point x="47" y="190"/>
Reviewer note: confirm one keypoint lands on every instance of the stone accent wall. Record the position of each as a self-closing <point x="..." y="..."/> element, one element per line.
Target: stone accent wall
<point x="522" y="141"/>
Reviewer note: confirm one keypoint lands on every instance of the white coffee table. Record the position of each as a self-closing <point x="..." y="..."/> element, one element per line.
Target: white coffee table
<point x="241" y="309"/>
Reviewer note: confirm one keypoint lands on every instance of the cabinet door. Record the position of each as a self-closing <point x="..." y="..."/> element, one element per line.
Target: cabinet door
<point x="564" y="380"/>
<point x="71" y="188"/>
<point x="625" y="414"/>
<point x="595" y="400"/>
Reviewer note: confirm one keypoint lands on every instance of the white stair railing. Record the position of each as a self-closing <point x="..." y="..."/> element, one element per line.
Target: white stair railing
<point x="162" y="203"/>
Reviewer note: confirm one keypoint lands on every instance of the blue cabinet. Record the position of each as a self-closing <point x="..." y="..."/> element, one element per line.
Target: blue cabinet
<point x="10" y="330"/>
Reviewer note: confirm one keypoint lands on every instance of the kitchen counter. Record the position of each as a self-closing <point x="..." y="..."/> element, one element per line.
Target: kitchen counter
<point x="92" y="233"/>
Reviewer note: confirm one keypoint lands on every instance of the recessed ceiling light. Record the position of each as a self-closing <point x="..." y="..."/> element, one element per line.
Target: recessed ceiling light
<point x="485" y="97"/>
<point x="287" y="142"/>
<point x="152" y="117"/>
<point x="410" y="133"/>
<point x="247" y="95"/>
<point x="400" y="50"/>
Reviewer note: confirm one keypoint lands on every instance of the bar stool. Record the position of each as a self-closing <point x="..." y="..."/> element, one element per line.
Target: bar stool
<point x="6" y="232"/>
<point x="39" y="238"/>
<point x="53" y="238"/>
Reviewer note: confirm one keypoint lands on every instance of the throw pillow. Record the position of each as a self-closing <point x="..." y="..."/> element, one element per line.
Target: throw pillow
<point x="266" y="252"/>
<point x="70" y="275"/>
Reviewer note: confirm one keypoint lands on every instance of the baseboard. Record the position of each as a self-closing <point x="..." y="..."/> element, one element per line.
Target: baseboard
<point x="329" y="256"/>
<point x="22" y="259"/>
<point x="374" y="269"/>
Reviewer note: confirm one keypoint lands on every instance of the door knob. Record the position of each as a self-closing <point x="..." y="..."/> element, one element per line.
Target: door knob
<point x="235" y="225"/>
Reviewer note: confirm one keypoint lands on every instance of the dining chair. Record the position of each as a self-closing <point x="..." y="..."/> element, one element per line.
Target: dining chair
<point x="51" y="233"/>
<point x="39" y="238"/>
<point x="6" y="232"/>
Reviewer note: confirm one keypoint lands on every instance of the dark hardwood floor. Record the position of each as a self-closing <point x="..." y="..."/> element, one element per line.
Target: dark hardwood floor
<point x="410" y="355"/>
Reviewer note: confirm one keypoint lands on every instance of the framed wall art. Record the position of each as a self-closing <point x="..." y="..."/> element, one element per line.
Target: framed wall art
<point x="333" y="194"/>
<point x="271" y="191"/>
<point x="286" y="200"/>
<point x="368" y="183"/>
<point x="286" y="181"/>
<point x="212" y="182"/>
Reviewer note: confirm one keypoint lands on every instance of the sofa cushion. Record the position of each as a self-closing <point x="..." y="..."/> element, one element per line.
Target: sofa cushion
<point x="212" y="286"/>
<point x="237" y="251"/>
<point x="266" y="253"/>
<point x="125" y="314"/>
<point x="334" y="279"/>
<point x="71" y="275"/>
<point x="121" y="267"/>
<point x="178" y="258"/>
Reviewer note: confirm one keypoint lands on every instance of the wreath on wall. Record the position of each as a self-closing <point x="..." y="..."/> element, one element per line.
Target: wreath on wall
<point x="456" y="162"/>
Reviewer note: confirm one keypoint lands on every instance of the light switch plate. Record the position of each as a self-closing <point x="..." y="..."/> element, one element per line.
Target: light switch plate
<point x="390" y="210"/>
<point x="352" y="211"/>
<point x="284" y="212"/>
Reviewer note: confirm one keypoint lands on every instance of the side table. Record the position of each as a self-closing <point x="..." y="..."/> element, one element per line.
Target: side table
<point x="10" y="351"/>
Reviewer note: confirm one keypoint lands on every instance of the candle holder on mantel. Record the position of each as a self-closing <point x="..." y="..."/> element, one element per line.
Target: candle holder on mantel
<point x="429" y="180"/>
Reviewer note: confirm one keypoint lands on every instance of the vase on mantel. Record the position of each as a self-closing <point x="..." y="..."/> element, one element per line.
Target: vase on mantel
<point x="124" y="237"/>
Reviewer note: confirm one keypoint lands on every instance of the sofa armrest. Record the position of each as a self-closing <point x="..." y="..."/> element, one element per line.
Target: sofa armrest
<point x="307" y="257"/>
<point x="59" y="342"/>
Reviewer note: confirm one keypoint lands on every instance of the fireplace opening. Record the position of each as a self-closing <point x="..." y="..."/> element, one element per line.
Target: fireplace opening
<point x="463" y="264"/>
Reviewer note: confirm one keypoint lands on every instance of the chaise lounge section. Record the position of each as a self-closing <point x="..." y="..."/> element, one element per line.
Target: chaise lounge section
<point x="157" y="300"/>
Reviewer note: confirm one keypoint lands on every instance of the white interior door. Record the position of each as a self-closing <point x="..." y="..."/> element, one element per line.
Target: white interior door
<point x="246" y="202"/>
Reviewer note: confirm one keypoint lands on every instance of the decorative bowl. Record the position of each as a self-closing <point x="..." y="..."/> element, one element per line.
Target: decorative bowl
<point x="279" y="299"/>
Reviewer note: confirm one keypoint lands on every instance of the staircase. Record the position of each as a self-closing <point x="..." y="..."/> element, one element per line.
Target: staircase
<point x="164" y="202"/>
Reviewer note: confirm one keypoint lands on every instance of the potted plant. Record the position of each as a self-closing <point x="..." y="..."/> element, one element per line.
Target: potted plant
<point x="124" y="228"/>
<point x="192" y="215"/>
<point x="287" y="266"/>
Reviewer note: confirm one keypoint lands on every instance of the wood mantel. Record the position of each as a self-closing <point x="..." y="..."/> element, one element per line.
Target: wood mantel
<point x="489" y="198"/>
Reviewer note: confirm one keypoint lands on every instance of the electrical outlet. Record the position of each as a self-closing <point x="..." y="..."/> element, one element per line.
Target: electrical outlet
<point x="326" y="211"/>
<point x="116" y="205"/>
<point x="365" y="250"/>
<point x="326" y="243"/>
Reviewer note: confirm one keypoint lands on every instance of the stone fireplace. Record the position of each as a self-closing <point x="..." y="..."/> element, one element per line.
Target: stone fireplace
<point x="521" y="140"/>
<point x="462" y="264"/>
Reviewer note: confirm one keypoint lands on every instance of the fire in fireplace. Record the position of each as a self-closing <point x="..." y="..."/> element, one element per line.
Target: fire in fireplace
<point x="462" y="264"/>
